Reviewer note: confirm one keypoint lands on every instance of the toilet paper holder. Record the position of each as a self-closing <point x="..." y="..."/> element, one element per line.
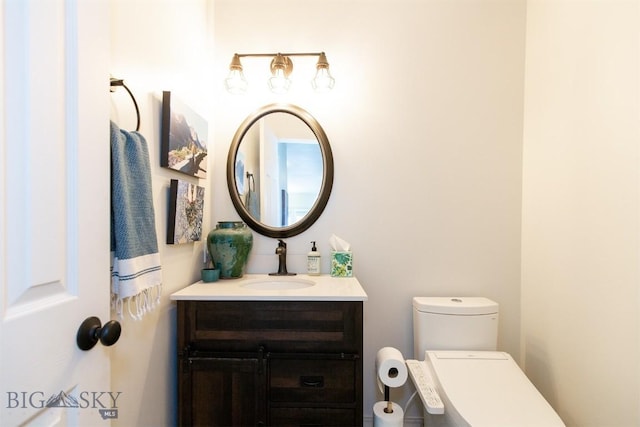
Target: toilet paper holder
<point x="389" y="408"/>
<point x="392" y="372"/>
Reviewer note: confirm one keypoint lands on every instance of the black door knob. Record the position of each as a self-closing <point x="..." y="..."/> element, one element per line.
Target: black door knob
<point x="91" y="331"/>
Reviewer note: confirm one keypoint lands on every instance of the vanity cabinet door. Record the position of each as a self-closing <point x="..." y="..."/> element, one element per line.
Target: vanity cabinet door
<point x="221" y="391"/>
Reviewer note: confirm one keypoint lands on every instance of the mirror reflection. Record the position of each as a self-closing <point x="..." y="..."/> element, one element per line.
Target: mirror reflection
<point x="280" y="170"/>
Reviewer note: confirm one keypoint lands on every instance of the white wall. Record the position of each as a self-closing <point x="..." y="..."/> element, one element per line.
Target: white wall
<point x="425" y="123"/>
<point x="156" y="46"/>
<point x="580" y="231"/>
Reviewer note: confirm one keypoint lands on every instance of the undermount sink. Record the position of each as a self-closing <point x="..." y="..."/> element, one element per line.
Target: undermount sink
<point x="278" y="284"/>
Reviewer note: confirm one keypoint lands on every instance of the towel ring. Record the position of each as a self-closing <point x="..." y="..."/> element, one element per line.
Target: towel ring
<point x="251" y="182"/>
<point x="120" y="82"/>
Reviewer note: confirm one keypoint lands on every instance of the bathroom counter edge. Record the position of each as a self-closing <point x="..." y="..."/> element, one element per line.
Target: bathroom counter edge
<point x="326" y="288"/>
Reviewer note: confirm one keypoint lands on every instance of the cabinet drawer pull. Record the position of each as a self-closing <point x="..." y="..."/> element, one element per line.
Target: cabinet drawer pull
<point x="312" y="381"/>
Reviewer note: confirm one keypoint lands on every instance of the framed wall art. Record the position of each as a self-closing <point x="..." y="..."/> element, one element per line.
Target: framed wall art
<point x="184" y="138"/>
<point x="186" y="203"/>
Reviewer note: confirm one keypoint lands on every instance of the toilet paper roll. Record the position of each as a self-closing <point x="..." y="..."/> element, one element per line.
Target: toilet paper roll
<point x="384" y="419"/>
<point x="390" y="367"/>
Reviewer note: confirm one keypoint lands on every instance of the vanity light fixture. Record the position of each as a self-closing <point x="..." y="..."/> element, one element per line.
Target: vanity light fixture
<point x="281" y="67"/>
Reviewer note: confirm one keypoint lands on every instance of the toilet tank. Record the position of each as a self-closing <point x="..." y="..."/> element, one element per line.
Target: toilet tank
<point x="454" y="323"/>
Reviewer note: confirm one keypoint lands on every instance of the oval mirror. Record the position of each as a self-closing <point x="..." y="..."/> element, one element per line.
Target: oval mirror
<point x="280" y="170"/>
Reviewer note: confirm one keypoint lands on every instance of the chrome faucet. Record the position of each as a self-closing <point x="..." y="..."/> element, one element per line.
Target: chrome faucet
<point x="281" y="251"/>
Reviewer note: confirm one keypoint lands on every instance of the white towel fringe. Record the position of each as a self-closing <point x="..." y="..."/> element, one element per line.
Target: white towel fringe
<point x="137" y="305"/>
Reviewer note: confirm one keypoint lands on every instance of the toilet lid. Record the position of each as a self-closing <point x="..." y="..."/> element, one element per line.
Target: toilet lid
<point x="487" y="388"/>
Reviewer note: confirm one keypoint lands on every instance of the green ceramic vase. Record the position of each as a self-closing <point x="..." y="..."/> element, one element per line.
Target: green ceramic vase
<point x="229" y="245"/>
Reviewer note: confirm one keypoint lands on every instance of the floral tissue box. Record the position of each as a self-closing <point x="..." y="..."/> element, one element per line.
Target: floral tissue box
<point x="341" y="264"/>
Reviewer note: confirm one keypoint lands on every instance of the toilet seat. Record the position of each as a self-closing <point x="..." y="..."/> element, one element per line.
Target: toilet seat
<point x="488" y="389"/>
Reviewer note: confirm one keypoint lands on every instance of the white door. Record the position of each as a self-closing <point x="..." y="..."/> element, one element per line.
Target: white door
<point x="54" y="211"/>
<point x="270" y="194"/>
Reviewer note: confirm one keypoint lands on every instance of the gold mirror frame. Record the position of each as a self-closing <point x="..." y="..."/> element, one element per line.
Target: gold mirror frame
<point x="327" y="167"/>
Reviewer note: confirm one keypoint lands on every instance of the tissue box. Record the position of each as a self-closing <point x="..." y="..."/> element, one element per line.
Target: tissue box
<point x="341" y="264"/>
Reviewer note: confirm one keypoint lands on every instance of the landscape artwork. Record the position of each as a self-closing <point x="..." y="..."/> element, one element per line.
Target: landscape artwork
<point x="186" y="205"/>
<point x="183" y="139"/>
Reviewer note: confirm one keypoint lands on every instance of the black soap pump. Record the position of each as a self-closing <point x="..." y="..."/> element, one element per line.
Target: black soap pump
<point x="313" y="261"/>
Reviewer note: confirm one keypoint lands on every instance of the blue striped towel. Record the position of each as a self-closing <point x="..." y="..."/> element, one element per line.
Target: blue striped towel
<point x="136" y="277"/>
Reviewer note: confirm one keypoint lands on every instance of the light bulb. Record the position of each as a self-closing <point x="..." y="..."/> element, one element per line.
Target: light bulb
<point x="323" y="82"/>
<point x="235" y="82"/>
<point x="279" y="83"/>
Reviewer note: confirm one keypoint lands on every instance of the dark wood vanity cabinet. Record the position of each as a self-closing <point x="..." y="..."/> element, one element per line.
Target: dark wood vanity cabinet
<point x="278" y="363"/>
<point x="222" y="391"/>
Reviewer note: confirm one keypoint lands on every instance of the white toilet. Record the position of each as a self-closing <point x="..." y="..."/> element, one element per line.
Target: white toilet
<point x="480" y="387"/>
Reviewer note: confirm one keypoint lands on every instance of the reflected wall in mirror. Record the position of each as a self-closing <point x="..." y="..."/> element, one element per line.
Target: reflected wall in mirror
<point x="280" y="170"/>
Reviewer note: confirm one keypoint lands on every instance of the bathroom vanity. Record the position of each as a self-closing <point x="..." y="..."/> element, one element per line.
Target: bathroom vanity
<point x="270" y="350"/>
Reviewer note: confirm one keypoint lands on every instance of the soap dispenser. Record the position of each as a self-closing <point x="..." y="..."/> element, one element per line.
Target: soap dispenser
<point x="313" y="261"/>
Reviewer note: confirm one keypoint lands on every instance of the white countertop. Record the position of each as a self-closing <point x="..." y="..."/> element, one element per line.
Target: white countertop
<point x="325" y="288"/>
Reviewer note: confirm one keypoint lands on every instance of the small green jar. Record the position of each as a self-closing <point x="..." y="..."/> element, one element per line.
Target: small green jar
<point x="229" y="245"/>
